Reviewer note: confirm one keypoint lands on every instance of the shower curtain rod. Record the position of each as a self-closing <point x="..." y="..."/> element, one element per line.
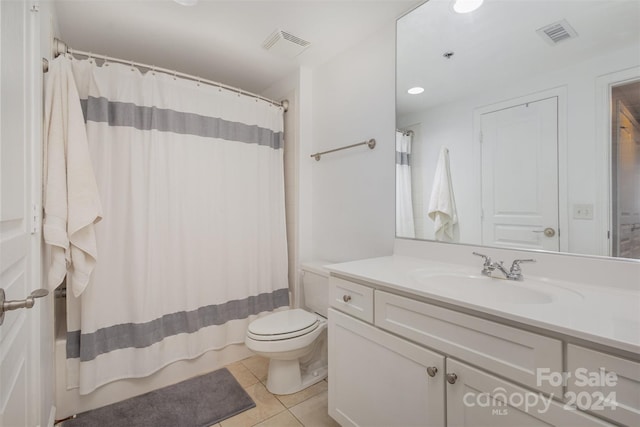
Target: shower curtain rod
<point x="405" y="132"/>
<point x="60" y="47"/>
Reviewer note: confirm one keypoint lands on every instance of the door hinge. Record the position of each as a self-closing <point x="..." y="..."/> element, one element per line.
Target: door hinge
<point x="35" y="218"/>
<point x="481" y="137"/>
<point x="608" y="234"/>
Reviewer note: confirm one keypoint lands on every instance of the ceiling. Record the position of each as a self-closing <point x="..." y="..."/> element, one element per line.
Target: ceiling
<point x="222" y="40"/>
<point x="497" y="45"/>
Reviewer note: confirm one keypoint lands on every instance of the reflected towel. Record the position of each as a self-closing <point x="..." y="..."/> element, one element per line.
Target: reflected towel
<point x="442" y="205"/>
<point x="71" y="200"/>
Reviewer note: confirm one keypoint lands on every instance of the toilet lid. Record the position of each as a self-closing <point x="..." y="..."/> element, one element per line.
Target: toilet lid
<point x="283" y="325"/>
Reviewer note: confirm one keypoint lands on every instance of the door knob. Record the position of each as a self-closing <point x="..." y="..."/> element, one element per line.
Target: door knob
<point x="549" y="232"/>
<point x="28" y="302"/>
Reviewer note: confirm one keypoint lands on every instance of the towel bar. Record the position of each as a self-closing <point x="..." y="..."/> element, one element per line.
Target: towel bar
<point x="370" y="143"/>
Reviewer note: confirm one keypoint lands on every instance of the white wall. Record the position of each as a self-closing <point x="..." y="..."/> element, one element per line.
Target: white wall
<point x="353" y="191"/>
<point x="452" y="125"/>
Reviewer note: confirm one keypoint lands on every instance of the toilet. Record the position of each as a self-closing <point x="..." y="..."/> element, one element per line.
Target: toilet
<point x="295" y="340"/>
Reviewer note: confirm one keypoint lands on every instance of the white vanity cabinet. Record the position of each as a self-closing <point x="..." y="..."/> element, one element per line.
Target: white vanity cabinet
<point x="484" y="372"/>
<point x="377" y="379"/>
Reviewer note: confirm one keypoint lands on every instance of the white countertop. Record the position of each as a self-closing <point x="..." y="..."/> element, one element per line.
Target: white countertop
<point x="605" y="315"/>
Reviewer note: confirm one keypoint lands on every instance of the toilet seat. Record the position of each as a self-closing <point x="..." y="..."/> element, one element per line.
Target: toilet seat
<point x="283" y="325"/>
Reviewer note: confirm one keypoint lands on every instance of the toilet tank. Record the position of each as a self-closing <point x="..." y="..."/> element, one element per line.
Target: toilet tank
<point x="315" y="287"/>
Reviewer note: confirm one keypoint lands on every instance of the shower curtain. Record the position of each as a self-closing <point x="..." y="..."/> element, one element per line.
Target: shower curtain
<point x="404" y="203"/>
<point x="192" y="243"/>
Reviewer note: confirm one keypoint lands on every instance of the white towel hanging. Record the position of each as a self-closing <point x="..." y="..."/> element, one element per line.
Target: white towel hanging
<point x="442" y="205"/>
<point x="71" y="200"/>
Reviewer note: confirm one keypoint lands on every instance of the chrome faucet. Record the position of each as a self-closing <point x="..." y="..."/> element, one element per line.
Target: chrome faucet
<point x="514" y="273"/>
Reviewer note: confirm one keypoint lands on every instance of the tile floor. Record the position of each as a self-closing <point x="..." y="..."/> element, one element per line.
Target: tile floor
<point x="306" y="408"/>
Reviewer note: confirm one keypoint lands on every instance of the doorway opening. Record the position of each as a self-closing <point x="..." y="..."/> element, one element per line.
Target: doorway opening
<point x="625" y="170"/>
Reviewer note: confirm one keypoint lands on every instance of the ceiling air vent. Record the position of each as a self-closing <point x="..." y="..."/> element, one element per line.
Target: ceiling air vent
<point x="285" y="44"/>
<point x="557" y="32"/>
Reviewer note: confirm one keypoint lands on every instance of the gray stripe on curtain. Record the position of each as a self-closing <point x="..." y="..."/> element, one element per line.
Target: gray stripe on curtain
<point x="152" y="118"/>
<point x="402" y="158"/>
<point x="140" y="335"/>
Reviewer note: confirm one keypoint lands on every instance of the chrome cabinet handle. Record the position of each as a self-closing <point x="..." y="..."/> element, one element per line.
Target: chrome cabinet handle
<point x="28" y="302"/>
<point x="452" y="378"/>
<point x="432" y="371"/>
<point x="346" y="298"/>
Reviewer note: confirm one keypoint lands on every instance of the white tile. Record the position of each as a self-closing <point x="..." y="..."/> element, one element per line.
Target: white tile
<point x="258" y="365"/>
<point x="290" y="400"/>
<point x="243" y="375"/>
<point x="266" y="407"/>
<point x="283" y="419"/>
<point x="314" y="412"/>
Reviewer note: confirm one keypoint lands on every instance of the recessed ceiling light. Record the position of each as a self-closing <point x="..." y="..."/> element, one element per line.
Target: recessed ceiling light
<point x="466" y="6"/>
<point x="186" y="2"/>
<point x="416" y="90"/>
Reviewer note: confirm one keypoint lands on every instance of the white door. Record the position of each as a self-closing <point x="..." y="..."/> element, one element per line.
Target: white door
<point x="19" y="275"/>
<point x="519" y="147"/>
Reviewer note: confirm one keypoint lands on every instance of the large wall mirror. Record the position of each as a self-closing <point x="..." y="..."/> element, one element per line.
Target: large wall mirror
<point x="518" y="125"/>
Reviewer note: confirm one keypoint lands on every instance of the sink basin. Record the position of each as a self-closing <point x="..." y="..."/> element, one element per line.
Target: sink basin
<point x="478" y="288"/>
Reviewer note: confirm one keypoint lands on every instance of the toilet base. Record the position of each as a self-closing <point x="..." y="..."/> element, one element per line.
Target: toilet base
<point x="286" y="377"/>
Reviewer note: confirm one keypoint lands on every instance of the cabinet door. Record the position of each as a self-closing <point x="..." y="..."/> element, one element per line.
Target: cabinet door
<point x="377" y="379"/>
<point x="480" y="399"/>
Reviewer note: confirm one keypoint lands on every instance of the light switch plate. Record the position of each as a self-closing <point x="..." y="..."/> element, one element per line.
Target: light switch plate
<point x="582" y="211"/>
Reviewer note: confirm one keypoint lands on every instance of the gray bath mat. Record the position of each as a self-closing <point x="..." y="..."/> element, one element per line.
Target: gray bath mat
<point x="198" y="402"/>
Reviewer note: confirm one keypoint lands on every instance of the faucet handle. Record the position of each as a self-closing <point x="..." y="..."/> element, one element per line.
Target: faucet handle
<point x="517" y="262"/>
<point x="487" y="267"/>
<point x="515" y="271"/>
<point x="487" y="259"/>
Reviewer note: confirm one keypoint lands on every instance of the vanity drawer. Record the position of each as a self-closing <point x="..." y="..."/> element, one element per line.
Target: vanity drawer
<point x="591" y="370"/>
<point x="504" y="350"/>
<point x="351" y="298"/>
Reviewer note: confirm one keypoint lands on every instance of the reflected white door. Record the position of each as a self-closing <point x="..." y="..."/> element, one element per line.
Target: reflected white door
<point x="519" y="147"/>
<point x="19" y="393"/>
